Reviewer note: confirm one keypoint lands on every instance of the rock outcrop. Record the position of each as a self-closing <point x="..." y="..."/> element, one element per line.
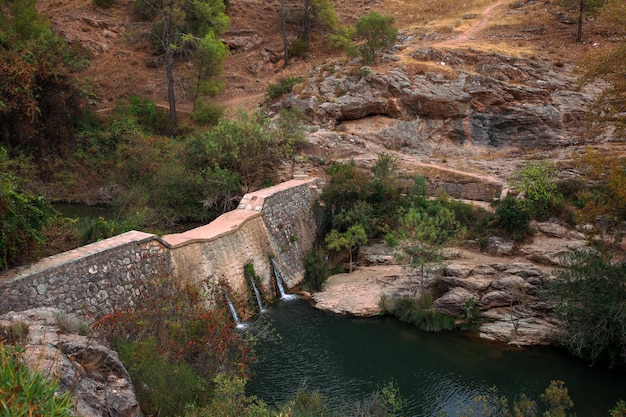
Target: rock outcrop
<point x="93" y="373"/>
<point x="506" y="101"/>
<point x="495" y="292"/>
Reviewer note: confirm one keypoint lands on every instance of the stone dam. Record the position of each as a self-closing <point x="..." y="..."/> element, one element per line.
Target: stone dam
<point x="271" y="225"/>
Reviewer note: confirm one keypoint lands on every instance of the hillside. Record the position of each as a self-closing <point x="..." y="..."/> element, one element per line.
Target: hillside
<point x="123" y="64"/>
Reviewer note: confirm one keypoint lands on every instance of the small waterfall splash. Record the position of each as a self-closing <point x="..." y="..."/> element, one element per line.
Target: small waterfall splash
<point x="279" y="283"/>
<point x="257" y="294"/>
<point x="233" y="312"/>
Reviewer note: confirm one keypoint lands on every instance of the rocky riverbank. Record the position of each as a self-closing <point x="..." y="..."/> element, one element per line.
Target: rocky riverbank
<point x="497" y="286"/>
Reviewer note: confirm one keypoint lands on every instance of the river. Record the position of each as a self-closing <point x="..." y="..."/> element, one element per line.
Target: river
<point x="346" y="358"/>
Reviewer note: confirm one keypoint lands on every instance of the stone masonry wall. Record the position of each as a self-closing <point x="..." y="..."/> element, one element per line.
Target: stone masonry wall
<point x="106" y="276"/>
<point x="275" y="222"/>
<point x="110" y="275"/>
<point x="93" y="280"/>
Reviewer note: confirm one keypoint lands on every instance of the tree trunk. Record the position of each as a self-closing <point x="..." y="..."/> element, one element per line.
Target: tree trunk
<point x="283" y="19"/>
<point x="306" y="21"/>
<point x="169" y="58"/>
<point x="579" y="36"/>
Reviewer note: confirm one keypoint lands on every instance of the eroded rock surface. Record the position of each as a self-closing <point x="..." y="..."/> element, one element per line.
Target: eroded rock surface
<point x="93" y="373"/>
<point x="499" y="291"/>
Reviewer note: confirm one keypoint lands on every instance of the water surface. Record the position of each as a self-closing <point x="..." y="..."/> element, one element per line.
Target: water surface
<point x="347" y="358"/>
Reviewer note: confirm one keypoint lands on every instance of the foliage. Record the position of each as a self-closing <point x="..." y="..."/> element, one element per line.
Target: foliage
<point x="557" y="400"/>
<point x="604" y="200"/>
<point x="104" y="4"/>
<point x="143" y="112"/>
<point x="284" y="86"/>
<point x="308" y="404"/>
<point x="420" y="314"/>
<point x="377" y="32"/>
<point x="298" y="48"/>
<point x="39" y="98"/>
<point x="182" y="30"/>
<point x="164" y="386"/>
<point x="537" y="183"/>
<point x="24" y="393"/>
<point x="316" y="267"/>
<point x="423" y="230"/>
<point x="22" y="218"/>
<point x="350" y="240"/>
<point x="512" y="216"/>
<point x="15" y="333"/>
<point x="229" y="399"/>
<point x="344" y="38"/>
<point x="209" y="57"/>
<point x="619" y="410"/>
<point x="590" y="296"/>
<point x="176" y="346"/>
<point x="608" y="64"/>
<point x="206" y="113"/>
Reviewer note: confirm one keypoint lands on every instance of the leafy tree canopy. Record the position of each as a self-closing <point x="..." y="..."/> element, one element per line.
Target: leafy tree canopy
<point x="590" y="292"/>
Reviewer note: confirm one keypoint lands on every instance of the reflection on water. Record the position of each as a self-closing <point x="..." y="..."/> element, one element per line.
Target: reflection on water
<point x="347" y="358"/>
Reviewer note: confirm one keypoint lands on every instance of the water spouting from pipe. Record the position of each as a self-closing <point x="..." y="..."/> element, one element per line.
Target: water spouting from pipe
<point x="279" y="283"/>
<point x="257" y="294"/>
<point x="233" y="312"/>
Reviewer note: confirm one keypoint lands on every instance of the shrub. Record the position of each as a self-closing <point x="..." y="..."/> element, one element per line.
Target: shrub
<point x="206" y="113"/>
<point x="22" y="219"/>
<point x="590" y="298"/>
<point x="230" y="400"/>
<point x="513" y="216"/>
<point x="24" y="393"/>
<point x="298" y="48"/>
<point x="284" y="86"/>
<point x="15" y="333"/>
<point x="377" y="32"/>
<point x="420" y="314"/>
<point x="316" y="268"/>
<point x="103" y="4"/>
<point x="174" y="345"/>
<point x="165" y="386"/>
<point x="537" y="182"/>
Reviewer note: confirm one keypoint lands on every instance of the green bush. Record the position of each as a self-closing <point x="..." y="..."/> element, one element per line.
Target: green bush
<point x="205" y="113"/>
<point x="590" y="295"/>
<point x="103" y="4"/>
<point x="165" y="386"/>
<point x="512" y="216"/>
<point x="377" y="32"/>
<point x="420" y="314"/>
<point x="229" y="400"/>
<point x="22" y="219"/>
<point x="24" y="393"/>
<point x="537" y="182"/>
<point x="316" y="268"/>
<point x="298" y="48"/>
<point x="284" y="86"/>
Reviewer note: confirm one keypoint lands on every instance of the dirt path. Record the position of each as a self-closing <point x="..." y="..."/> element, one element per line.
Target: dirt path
<point x="478" y="25"/>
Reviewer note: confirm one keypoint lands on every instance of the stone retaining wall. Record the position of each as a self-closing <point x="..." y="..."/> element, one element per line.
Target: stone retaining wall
<point x="106" y="276"/>
<point x="275" y="222"/>
<point x="93" y="280"/>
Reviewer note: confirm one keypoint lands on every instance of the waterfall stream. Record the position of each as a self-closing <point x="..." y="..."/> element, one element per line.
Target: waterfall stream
<point x="233" y="311"/>
<point x="257" y="294"/>
<point x="279" y="283"/>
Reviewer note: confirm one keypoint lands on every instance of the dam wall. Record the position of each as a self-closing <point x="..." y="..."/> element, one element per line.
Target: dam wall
<point x="275" y="223"/>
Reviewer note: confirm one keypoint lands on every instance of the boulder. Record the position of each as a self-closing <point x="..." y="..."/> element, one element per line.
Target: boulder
<point x="517" y="328"/>
<point x="454" y="301"/>
<point x="93" y="373"/>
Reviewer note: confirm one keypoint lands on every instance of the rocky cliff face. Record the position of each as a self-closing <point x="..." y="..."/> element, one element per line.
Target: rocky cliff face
<point x="503" y="101"/>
